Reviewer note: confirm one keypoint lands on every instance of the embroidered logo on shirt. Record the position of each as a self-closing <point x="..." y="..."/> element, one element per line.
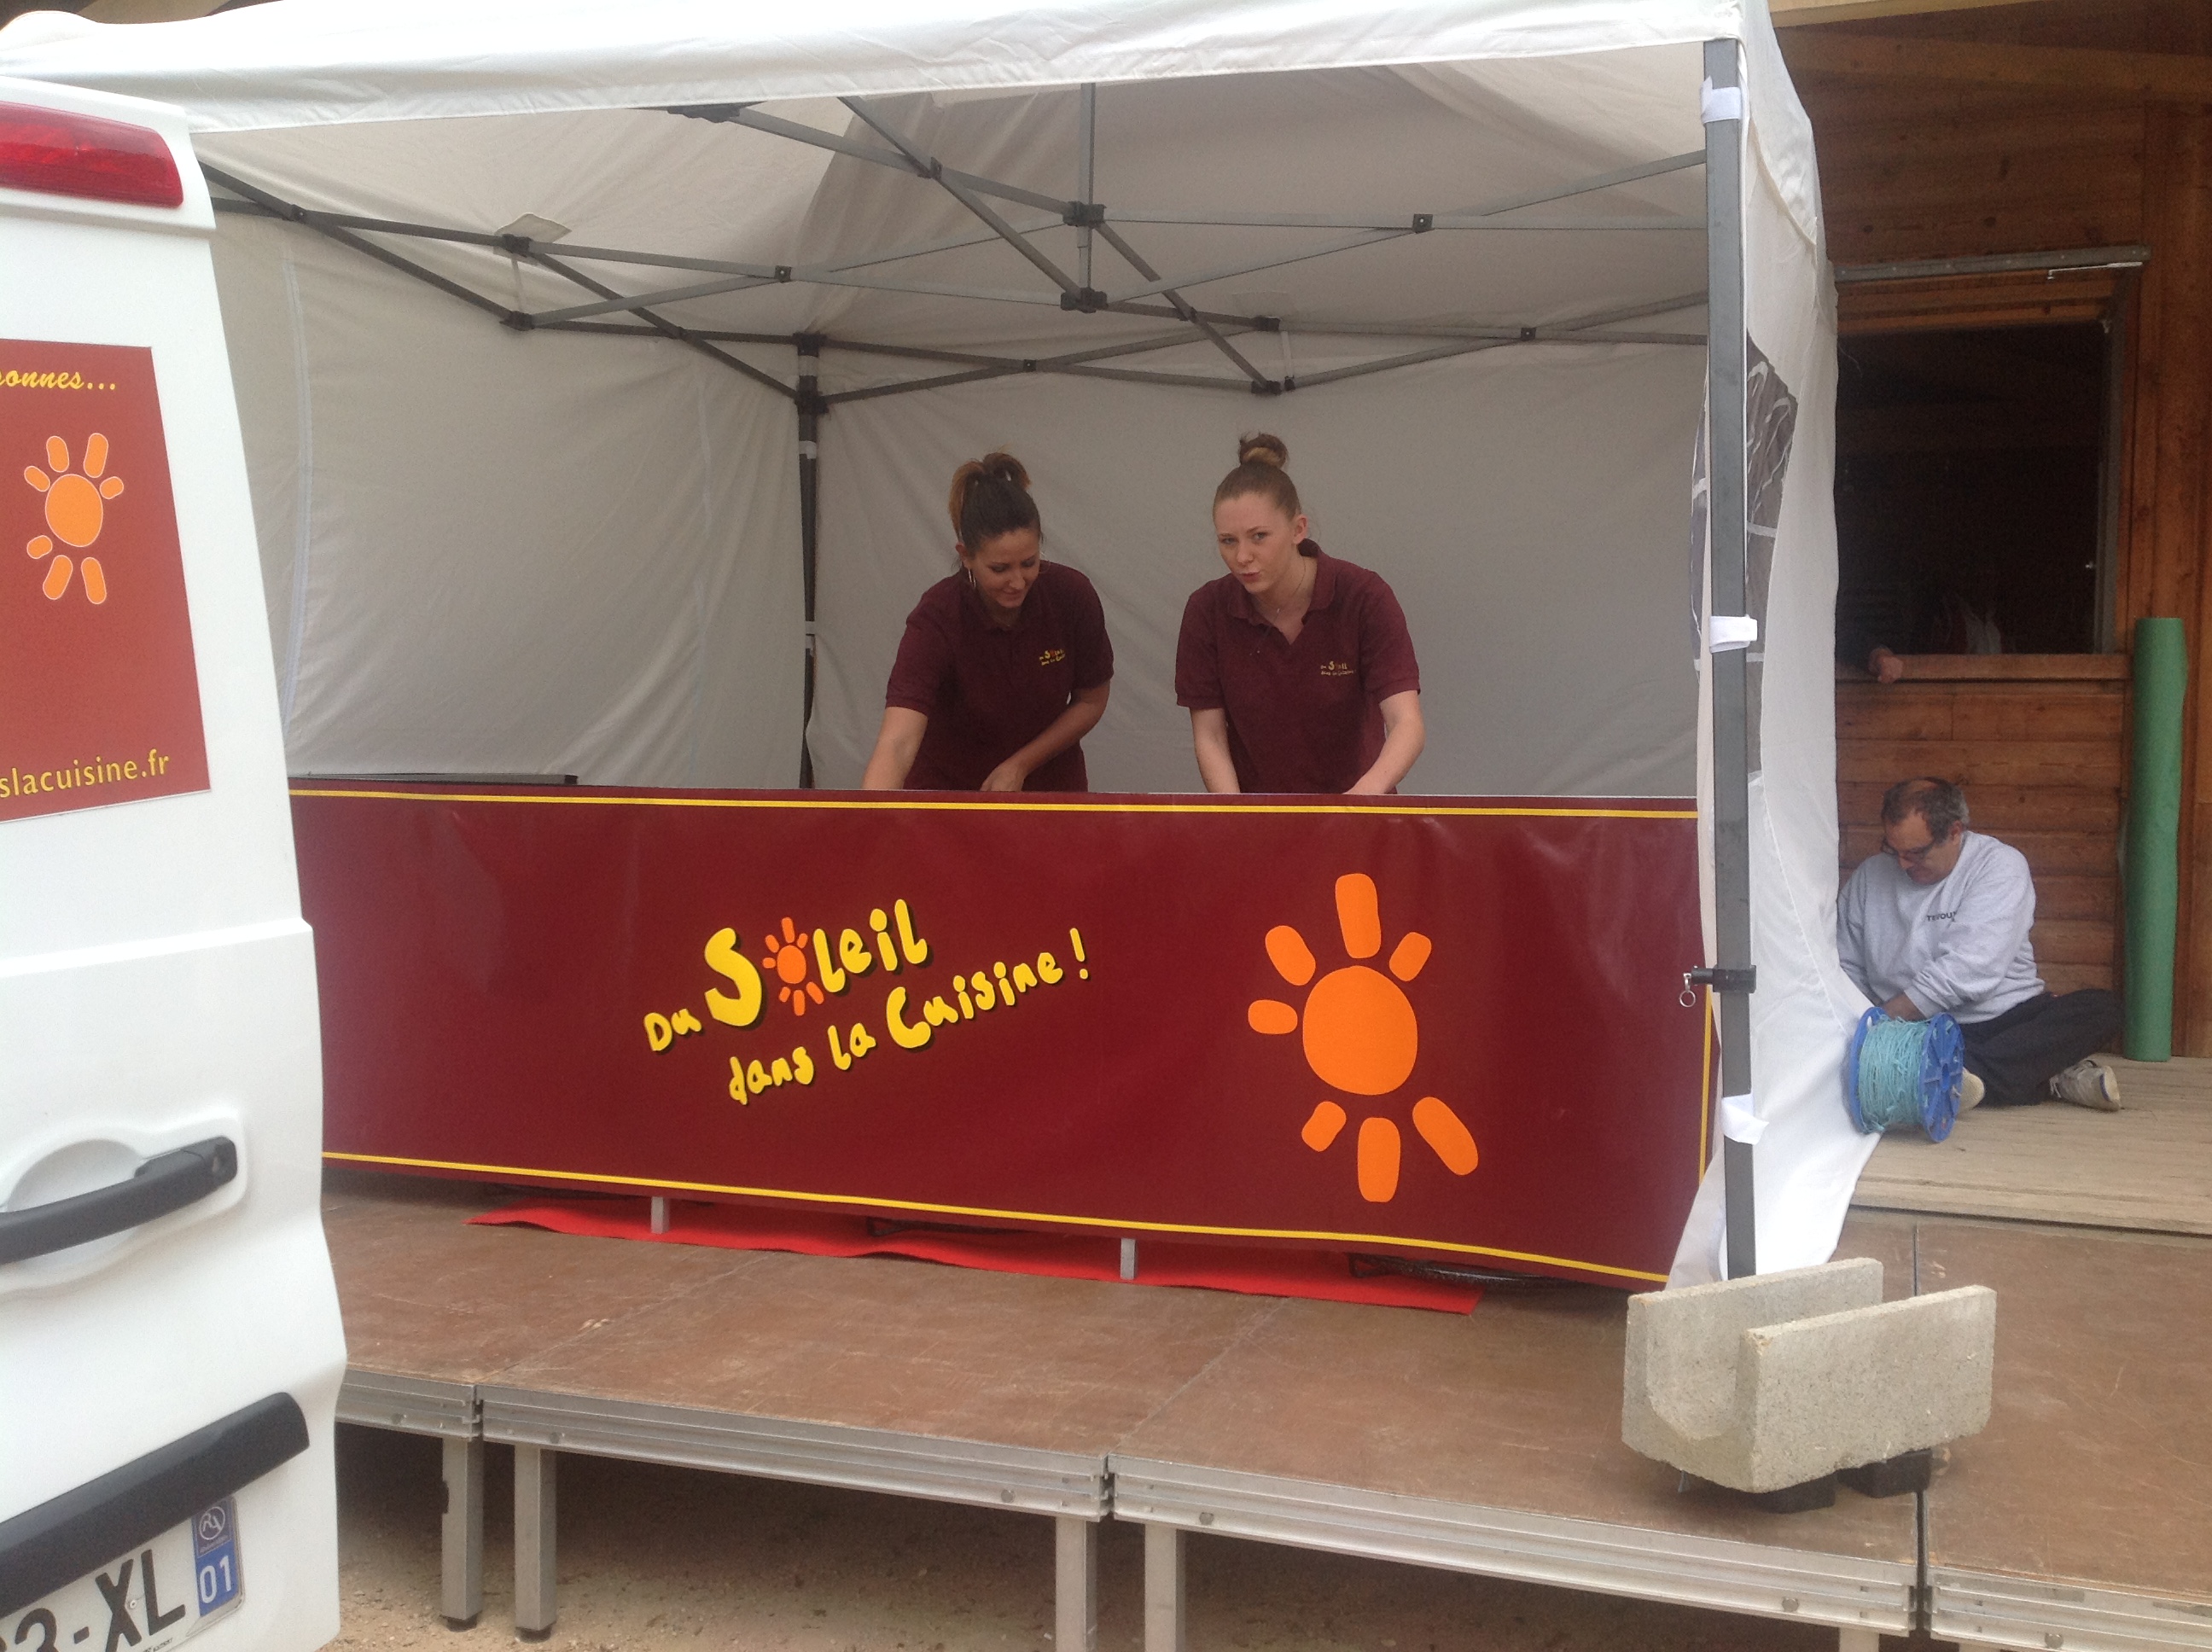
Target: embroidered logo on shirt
<point x="1338" y="668"/>
<point x="1052" y="656"/>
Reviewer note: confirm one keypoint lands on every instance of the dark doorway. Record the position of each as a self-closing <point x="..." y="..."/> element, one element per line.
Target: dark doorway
<point x="1968" y="469"/>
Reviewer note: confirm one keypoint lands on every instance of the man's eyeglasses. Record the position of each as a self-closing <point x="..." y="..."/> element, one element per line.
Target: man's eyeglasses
<point x="1911" y="857"/>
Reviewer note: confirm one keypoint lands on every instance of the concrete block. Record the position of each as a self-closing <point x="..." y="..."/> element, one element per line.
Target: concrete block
<point x="1782" y="1378"/>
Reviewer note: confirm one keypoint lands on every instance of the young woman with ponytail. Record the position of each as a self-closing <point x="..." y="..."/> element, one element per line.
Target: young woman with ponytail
<point x="1296" y="668"/>
<point x="1005" y="664"/>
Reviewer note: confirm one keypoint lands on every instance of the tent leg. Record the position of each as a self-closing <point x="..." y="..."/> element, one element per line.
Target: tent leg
<point x="811" y="406"/>
<point x="1725" y="398"/>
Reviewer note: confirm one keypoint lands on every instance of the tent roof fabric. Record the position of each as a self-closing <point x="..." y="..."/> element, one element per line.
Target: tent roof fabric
<point x="308" y="62"/>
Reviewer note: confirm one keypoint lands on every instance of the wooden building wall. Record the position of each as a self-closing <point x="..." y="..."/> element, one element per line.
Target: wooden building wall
<point x="2043" y="127"/>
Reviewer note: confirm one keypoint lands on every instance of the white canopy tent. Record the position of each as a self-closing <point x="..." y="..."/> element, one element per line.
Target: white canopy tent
<point x="597" y="360"/>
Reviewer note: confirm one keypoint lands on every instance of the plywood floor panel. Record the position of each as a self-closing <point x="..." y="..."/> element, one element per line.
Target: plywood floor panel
<point x="1517" y="1408"/>
<point x="2092" y="1468"/>
<point x="2146" y="1168"/>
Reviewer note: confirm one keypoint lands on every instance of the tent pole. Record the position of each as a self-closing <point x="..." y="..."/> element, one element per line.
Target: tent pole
<point x="811" y="409"/>
<point x="1086" y="182"/>
<point x="1725" y="393"/>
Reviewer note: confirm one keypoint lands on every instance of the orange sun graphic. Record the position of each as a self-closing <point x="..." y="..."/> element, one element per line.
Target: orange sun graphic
<point x="1361" y="1037"/>
<point x="787" y="958"/>
<point x="76" y="510"/>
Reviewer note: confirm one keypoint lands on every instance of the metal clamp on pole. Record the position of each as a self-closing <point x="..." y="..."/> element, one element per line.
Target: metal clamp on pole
<point x="1722" y="980"/>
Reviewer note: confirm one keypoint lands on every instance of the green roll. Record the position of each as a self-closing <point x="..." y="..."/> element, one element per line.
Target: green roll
<point x="2149" y="855"/>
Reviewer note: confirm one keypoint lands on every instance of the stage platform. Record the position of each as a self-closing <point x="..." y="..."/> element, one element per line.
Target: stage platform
<point x="1487" y="1444"/>
<point x="2148" y="1167"/>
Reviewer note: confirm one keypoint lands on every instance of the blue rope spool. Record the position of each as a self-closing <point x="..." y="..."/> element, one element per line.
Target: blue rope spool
<point x="1904" y="1073"/>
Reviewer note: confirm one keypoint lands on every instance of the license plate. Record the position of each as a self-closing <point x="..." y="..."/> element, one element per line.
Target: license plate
<point x="160" y="1594"/>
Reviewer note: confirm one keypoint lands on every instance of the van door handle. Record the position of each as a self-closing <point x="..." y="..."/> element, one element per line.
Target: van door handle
<point x="166" y="1182"/>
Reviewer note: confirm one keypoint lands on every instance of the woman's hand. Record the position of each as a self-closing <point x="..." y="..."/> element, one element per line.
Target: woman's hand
<point x="1009" y="776"/>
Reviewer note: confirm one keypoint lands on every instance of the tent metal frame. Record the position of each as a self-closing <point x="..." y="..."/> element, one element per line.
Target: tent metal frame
<point x="1730" y="977"/>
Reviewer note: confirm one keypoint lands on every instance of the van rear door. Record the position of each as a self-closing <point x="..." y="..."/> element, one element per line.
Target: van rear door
<point x="170" y="1349"/>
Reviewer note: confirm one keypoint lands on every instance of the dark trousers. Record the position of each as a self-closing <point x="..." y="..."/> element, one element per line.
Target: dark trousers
<point x="2016" y="1054"/>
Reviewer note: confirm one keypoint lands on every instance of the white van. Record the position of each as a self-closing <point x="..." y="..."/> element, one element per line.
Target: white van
<point x="170" y="1350"/>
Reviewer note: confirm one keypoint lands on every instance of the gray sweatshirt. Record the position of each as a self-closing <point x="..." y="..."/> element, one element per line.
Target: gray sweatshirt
<point x="1959" y="947"/>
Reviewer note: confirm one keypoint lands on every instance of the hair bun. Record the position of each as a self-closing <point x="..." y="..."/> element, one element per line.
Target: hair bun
<point x="1263" y="449"/>
<point x="1004" y="467"/>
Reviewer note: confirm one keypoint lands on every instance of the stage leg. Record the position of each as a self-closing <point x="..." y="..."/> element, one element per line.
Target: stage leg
<point x="660" y="1214"/>
<point x="1075" y="1584"/>
<point x="1163" y="1588"/>
<point x="461" y="1534"/>
<point x="1859" y="1640"/>
<point x="534" y="1606"/>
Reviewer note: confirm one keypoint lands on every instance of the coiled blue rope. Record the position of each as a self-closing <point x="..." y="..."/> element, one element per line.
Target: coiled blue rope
<point x="1904" y="1073"/>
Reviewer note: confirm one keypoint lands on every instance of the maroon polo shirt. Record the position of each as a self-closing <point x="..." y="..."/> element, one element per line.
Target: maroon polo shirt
<point x="988" y="692"/>
<point x="1303" y="716"/>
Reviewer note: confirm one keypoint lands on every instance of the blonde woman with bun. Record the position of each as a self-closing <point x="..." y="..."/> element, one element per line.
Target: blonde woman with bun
<point x="1005" y="664"/>
<point x="1296" y="668"/>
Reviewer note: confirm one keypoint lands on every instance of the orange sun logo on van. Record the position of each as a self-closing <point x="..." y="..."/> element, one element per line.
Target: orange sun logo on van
<point x="786" y="959"/>
<point x="76" y="510"/>
<point x="1361" y="1037"/>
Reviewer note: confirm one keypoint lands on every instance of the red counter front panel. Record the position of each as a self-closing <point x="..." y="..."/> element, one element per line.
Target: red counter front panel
<point x="1450" y="1030"/>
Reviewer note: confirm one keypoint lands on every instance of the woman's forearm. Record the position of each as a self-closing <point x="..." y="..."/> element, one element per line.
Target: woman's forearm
<point x="1209" y="739"/>
<point x="1081" y="716"/>
<point x="897" y="742"/>
<point x="1404" y="734"/>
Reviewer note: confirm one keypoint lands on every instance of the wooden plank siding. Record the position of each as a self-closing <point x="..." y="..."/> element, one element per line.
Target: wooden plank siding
<point x="2040" y="758"/>
<point x="1956" y="165"/>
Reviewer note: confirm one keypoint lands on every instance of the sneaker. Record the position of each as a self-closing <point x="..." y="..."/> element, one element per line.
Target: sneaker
<point x="1970" y="1090"/>
<point x="2089" y="1084"/>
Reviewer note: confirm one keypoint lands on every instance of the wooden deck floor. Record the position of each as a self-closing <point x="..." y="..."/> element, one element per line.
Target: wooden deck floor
<point x="2147" y="1168"/>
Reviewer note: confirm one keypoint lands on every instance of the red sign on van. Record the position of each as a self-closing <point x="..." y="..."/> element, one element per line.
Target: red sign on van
<point x="99" y="696"/>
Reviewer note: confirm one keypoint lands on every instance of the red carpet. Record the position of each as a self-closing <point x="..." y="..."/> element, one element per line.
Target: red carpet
<point x="1256" y="1270"/>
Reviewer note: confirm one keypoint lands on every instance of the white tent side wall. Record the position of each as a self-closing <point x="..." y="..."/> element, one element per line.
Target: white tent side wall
<point x="487" y="553"/>
<point x="1527" y="507"/>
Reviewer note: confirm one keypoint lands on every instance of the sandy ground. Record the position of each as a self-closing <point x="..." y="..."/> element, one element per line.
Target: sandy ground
<point x="656" y="1557"/>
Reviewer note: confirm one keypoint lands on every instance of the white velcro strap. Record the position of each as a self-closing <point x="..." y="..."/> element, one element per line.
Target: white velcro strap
<point x="1720" y="102"/>
<point x="1727" y="631"/>
<point x="1739" y="1122"/>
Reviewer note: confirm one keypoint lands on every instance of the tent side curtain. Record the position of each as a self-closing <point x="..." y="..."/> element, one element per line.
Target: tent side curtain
<point x="1809" y="1156"/>
<point x="484" y="553"/>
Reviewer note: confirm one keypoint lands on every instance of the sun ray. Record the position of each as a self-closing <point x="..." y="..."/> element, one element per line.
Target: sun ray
<point x="95" y="581"/>
<point x="57" y="453"/>
<point x="112" y="489"/>
<point x="96" y="453"/>
<point x="1321" y="1129"/>
<point x="1292" y="958"/>
<point x="790" y="935"/>
<point x="1441" y="1128"/>
<point x="1409" y="954"/>
<point x="1378" y="1160"/>
<point x="37" y="477"/>
<point x="1269" y="1015"/>
<point x="57" y="578"/>
<point x="37" y="547"/>
<point x="1359" y="915"/>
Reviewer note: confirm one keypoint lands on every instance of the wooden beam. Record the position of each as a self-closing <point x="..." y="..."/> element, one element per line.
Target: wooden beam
<point x="1789" y="13"/>
<point x="2156" y="76"/>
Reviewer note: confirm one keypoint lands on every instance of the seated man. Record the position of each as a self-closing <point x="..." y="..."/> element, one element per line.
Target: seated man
<point x="1937" y="924"/>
